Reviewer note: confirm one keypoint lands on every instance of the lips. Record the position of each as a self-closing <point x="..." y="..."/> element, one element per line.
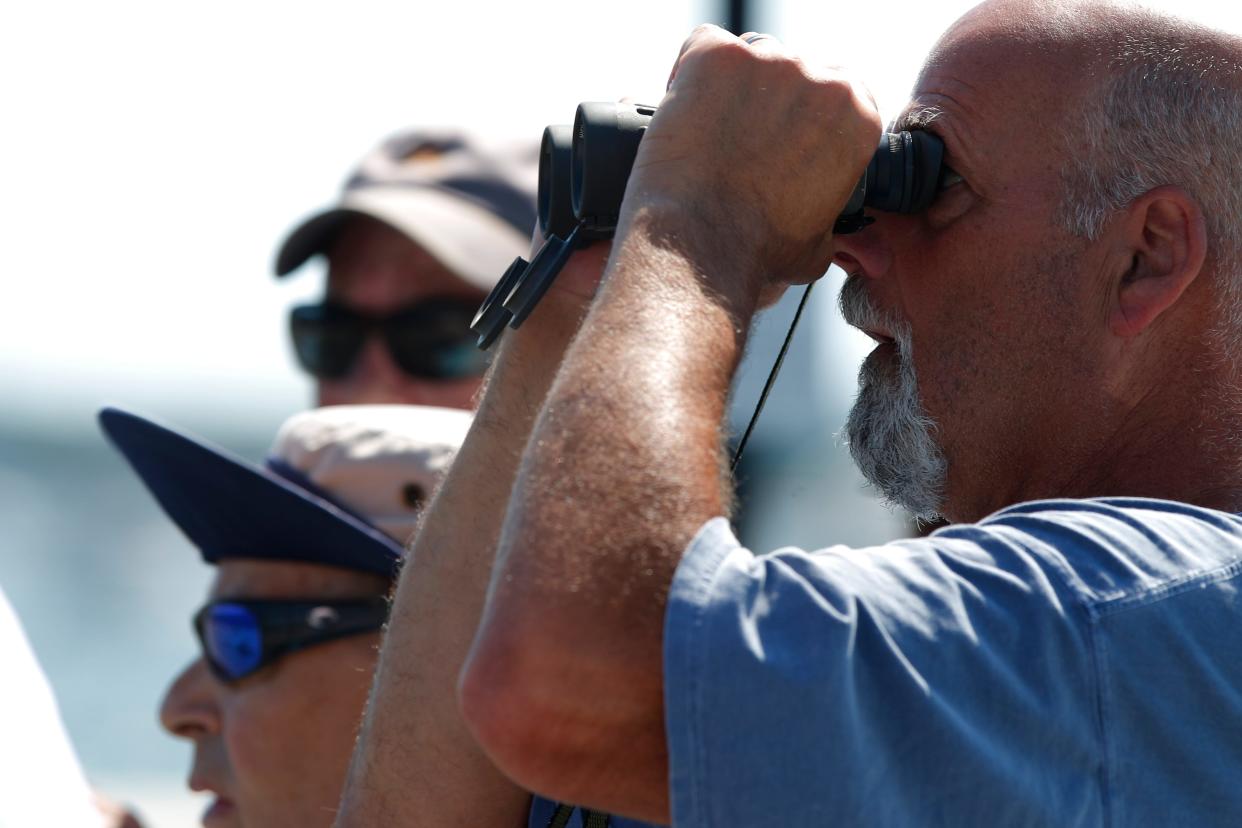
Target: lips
<point x="222" y="810"/>
<point x="220" y="813"/>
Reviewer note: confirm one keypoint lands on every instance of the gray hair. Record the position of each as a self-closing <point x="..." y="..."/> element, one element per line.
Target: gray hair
<point x="1168" y="112"/>
<point x="891" y="437"/>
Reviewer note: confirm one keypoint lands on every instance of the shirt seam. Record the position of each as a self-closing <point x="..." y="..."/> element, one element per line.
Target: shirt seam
<point x="697" y="633"/>
<point x="701" y="758"/>
<point x="1101" y="692"/>
<point x="1086" y="610"/>
<point x="1168" y="589"/>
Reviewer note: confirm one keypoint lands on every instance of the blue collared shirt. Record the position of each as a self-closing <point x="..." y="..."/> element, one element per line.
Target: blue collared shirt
<point x="1061" y="663"/>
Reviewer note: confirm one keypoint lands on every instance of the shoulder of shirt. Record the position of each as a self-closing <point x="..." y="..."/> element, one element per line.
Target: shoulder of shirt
<point x="1112" y="551"/>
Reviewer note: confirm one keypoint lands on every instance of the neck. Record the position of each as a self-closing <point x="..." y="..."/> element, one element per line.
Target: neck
<point x="1181" y="441"/>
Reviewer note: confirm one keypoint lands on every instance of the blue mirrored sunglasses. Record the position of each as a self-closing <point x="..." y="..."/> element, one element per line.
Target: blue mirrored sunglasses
<point x="240" y="637"/>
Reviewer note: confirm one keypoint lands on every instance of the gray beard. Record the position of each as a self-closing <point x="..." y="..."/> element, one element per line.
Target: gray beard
<point x="890" y="435"/>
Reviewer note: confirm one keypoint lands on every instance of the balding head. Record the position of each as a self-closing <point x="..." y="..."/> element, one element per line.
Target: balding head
<point x="1067" y="304"/>
<point x="1164" y="108"/>
<point x="1146" y="99"/>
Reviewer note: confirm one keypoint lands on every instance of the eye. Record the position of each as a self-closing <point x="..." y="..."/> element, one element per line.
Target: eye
<point x="951" y="200"/>
<point x="949" y="178"/>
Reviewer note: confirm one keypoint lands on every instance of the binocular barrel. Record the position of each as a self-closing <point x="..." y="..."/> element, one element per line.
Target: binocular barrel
<point x="583" y="171"/>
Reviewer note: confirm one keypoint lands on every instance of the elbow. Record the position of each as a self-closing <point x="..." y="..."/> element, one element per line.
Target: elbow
<point x="561" y="721"/>
<point x="510" y="709"/>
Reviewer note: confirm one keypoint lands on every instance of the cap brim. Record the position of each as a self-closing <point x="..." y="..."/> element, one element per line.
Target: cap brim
<point x="466" y="238"/>
<point x="229" y="508"/>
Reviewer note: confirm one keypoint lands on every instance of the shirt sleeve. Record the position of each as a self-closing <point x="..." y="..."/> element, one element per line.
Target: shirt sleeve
<point x="942" y="681"/>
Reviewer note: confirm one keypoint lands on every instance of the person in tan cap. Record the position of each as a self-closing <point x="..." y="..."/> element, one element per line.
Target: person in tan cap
<point x="306" y="547"/>
<point x="424" y="227"/>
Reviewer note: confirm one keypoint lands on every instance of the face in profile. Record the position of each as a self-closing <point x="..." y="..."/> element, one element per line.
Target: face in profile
<point x="273" y="747"/>
<point x="984" y="307"/>
<point x="378" y="272"/>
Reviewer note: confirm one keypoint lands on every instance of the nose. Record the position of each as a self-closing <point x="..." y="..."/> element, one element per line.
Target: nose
<point x="189" y="708"/>
<point x="865" y="252"/>
<point x="375" y="371"/>
<point x="373" y="378"/>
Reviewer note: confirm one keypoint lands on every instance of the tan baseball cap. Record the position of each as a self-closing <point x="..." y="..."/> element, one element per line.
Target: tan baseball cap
<point x="381" y="462"/>
<point x="468" y="203"/>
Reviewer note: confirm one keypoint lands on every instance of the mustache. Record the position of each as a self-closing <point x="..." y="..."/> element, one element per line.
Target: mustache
<point x="859" y="311"/>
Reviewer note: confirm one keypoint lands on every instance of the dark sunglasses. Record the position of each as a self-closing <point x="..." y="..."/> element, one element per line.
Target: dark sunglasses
<point x="241" y="637"/>
<point x="430" y="339"/>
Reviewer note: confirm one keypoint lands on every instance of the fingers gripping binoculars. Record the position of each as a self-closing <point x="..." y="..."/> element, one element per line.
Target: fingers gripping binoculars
<point x="583" y="171"/>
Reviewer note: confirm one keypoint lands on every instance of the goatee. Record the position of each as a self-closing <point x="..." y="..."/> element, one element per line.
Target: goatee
<point x="891" y="438"/>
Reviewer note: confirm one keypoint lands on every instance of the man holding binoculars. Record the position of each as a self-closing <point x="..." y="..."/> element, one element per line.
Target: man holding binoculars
<point x="1057" y="340"/>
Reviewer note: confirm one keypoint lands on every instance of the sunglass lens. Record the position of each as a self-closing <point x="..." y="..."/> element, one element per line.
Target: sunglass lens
<point x="233" y="639"/>
<point x="325" y="339"/>
<point x="433" y="340"/>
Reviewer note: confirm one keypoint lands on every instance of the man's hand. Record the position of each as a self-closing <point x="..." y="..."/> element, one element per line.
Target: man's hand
<point x="579" y="279"/>
<point x="759" y="149"/>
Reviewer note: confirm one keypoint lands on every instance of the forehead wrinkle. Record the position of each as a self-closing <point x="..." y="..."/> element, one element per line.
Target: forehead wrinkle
<point x="946" y="117"/>
<point x="939" y="95"/>
<point x="994" y="107"/>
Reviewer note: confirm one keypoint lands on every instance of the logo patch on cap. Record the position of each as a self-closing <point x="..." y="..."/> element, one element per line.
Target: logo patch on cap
<point x="413" y="495"/>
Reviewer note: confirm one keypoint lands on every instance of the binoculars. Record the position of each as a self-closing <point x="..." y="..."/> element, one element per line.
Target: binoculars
<point x="583" y="171"/>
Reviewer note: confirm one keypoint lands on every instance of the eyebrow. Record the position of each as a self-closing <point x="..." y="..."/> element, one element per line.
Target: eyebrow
<point x="914" y="119"/>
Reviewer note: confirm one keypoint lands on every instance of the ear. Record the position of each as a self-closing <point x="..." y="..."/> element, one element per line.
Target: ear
<point x="1164" y="236"/>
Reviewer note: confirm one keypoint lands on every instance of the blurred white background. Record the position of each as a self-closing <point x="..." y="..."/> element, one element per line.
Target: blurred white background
<point x="151" y="156"/>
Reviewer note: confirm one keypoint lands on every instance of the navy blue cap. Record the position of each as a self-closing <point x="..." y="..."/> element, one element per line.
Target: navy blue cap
<point x="229" y="508"/>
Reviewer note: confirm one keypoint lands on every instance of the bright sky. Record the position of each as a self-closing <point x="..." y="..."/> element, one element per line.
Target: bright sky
<point x="153" y="154"/>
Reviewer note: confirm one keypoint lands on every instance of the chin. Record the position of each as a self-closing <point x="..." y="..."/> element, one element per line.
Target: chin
<point x="891" y="437"/>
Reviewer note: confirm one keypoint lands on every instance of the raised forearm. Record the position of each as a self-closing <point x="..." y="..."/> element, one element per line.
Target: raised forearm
<point x="415" y="763"/>
<point x="734" y="192"/>
<point x="586" y="557"/>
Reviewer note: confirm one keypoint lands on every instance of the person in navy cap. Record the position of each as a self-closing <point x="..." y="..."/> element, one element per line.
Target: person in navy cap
<point x="306" y="548"/>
